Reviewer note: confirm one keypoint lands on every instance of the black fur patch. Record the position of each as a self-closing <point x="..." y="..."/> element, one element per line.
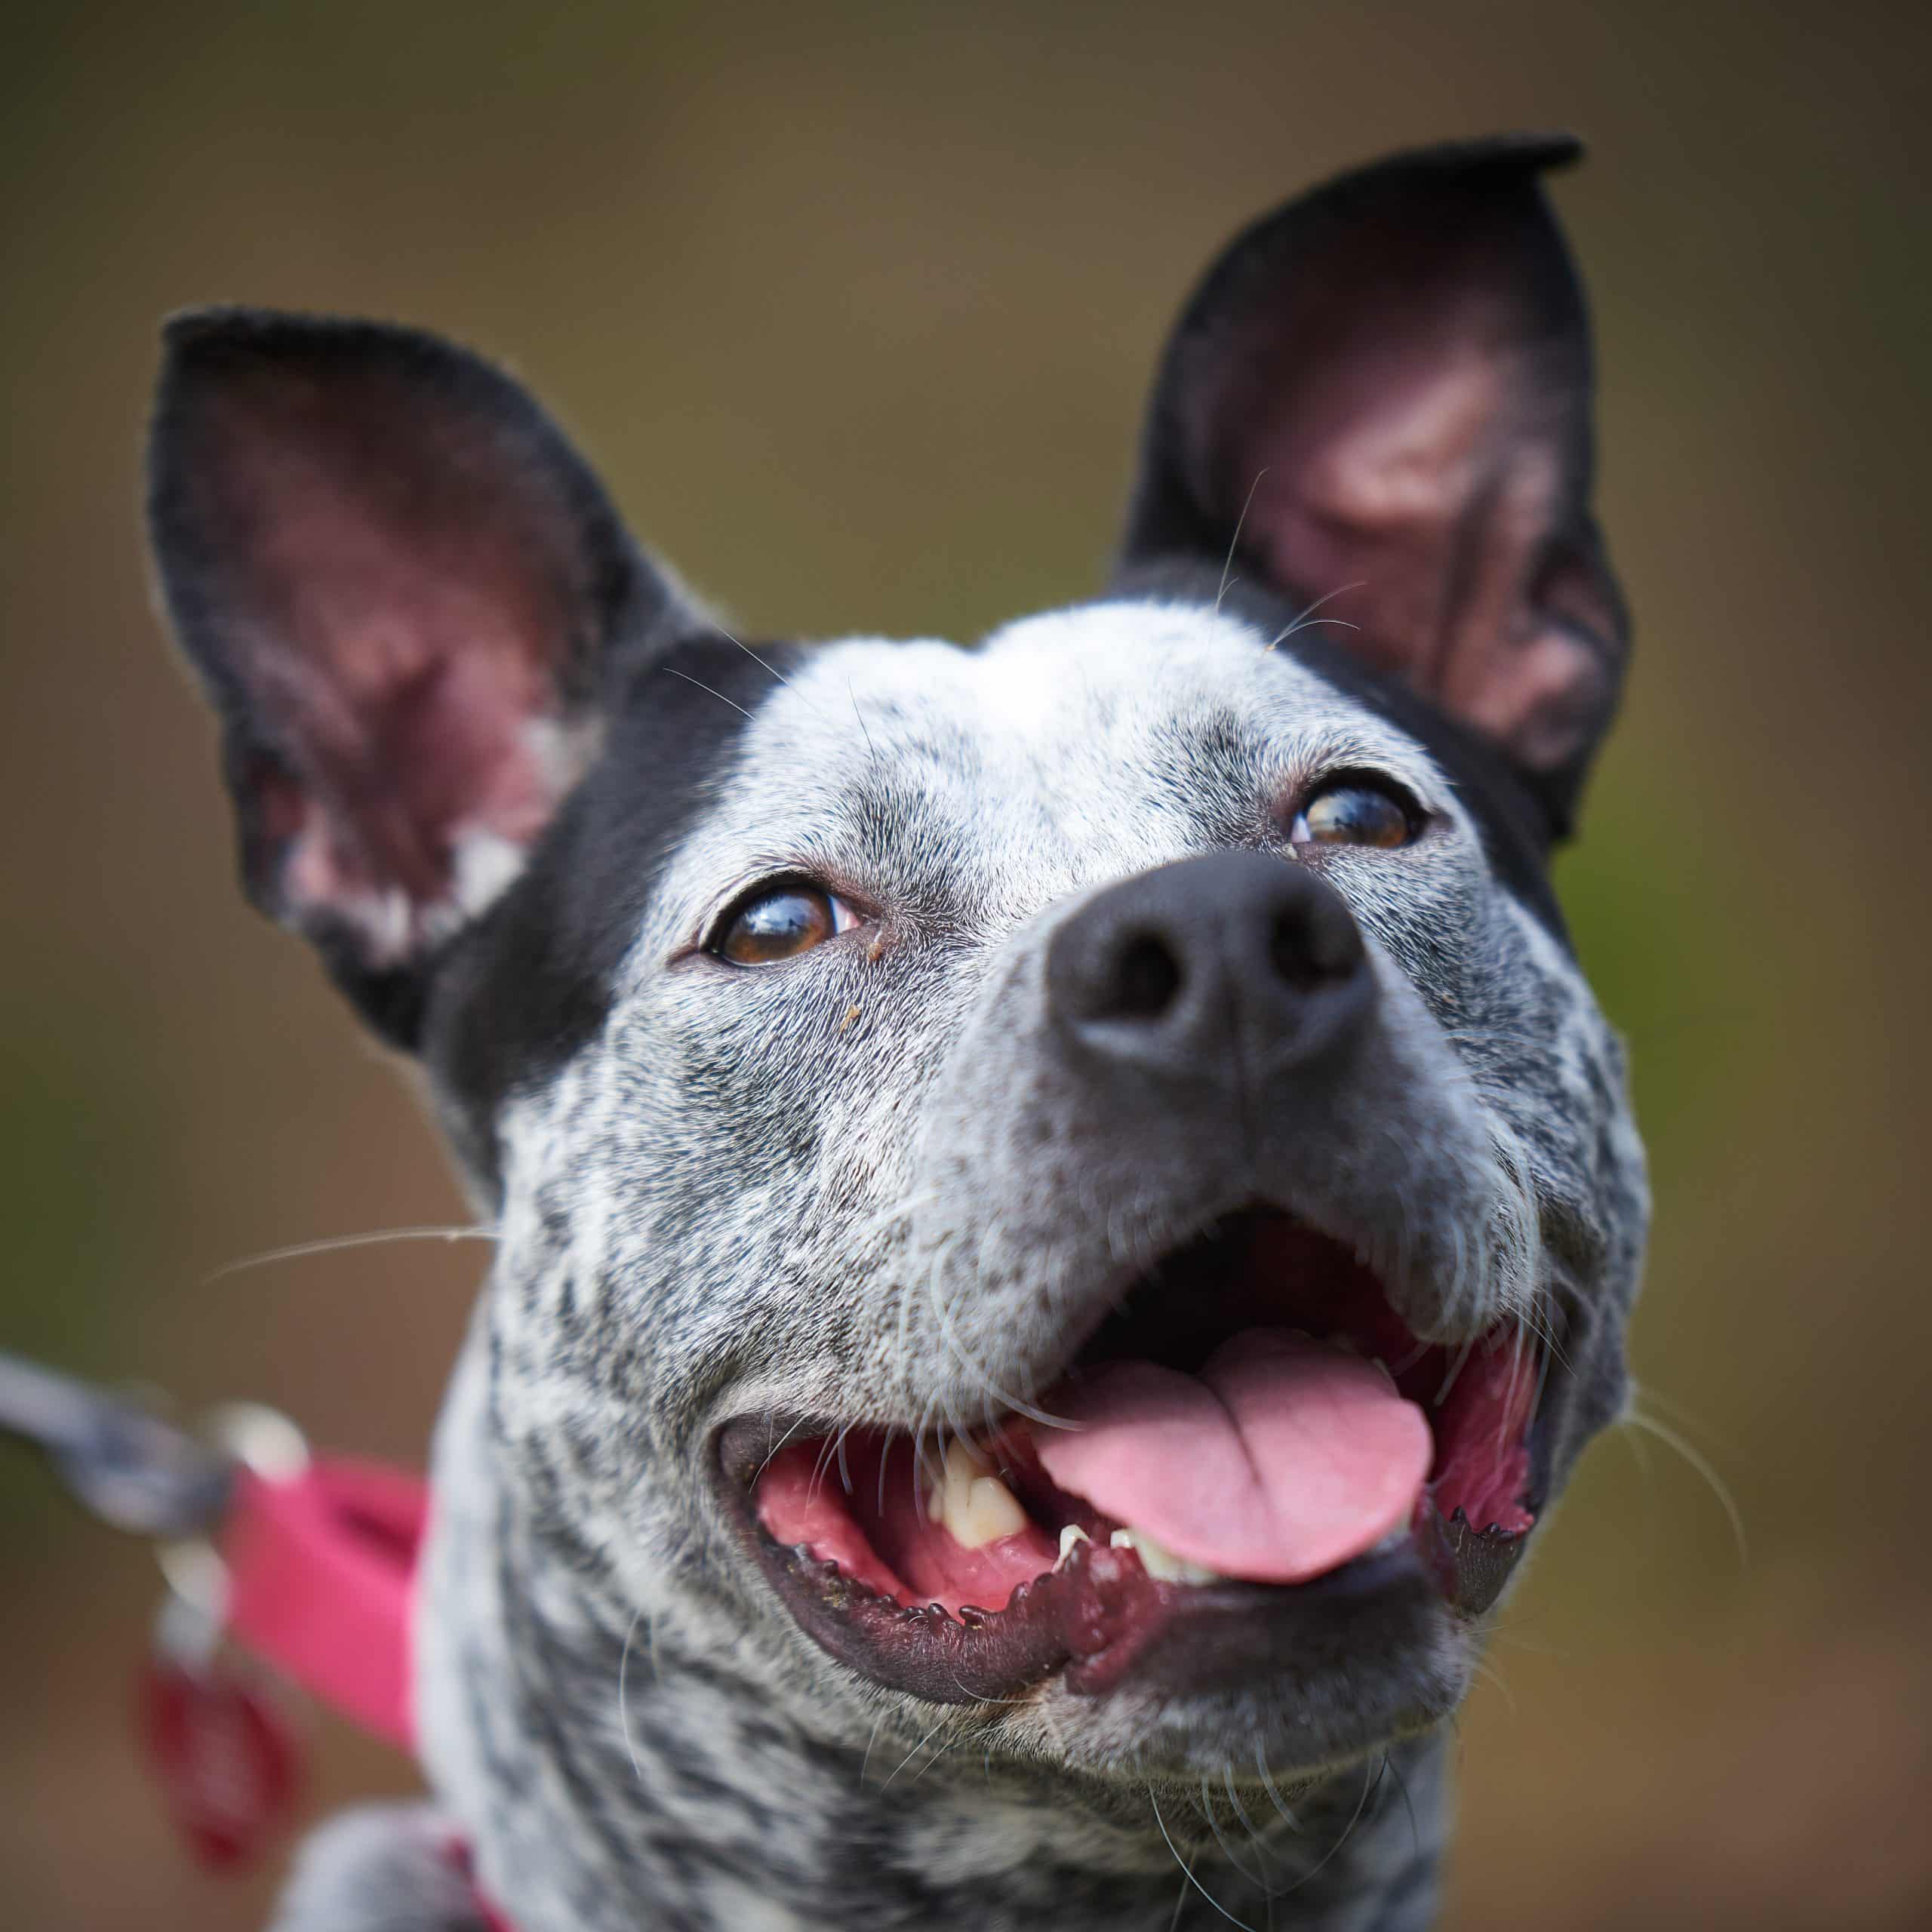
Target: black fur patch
<point x="531" y="981"/>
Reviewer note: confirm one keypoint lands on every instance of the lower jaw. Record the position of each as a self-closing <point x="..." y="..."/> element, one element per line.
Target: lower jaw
<point x="1101" y="1625"/>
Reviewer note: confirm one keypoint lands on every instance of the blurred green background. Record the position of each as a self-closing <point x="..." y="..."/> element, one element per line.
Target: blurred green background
<point x="854" y="307"/>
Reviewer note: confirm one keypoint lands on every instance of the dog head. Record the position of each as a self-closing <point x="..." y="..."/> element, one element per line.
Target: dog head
<point x="1070" y="1185"/>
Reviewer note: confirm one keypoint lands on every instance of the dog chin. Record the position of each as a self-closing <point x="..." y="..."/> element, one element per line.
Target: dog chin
<point x="1256" y="1706"/>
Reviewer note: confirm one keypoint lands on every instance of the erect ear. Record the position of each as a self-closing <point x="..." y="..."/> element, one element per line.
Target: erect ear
<point x="1385" y="386"/>
<point x="406" y="598"/>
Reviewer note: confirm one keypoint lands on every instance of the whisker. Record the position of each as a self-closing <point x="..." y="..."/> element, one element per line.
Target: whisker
<point x="1509" y="1391"/>
<point x="865" y="1763"/>
<point x="1308" y="619"/>
<point x="884" y="1461"/>
<point x="1308" y="624"/>
<point x="1455" y="1370"/>
<point x="1490" y="1674"/>
<point x="674" y="672"/>
<point x="623" y="1713"/>
<point x="1368" y="1782"/>
<point x="1545" y="1355"/>
<point x="1204" y="1805"/>
<point x="1274" y="1798"/>
<point x="1018" y="1403"/>
<point x="832" y="1447"/>
<point x="1409" y="1361"/>
<point x="1507" y="1637"/>
<point x="1187" y="1871"/>
<point x="1234" y="542"/>
<point x="1656" y="1399"/>
<point x="901" y="1210"/>
<point x="1458" y="1273"/>
<point x="917" y="1748"/>
<point x="1669" y="1437"/>
<point x="336" y="1244"/>
<point x="1254" y="1831"/>
<point x="771" y="671"/>
<point x="871" y="750"/>
<point x="928" y="1463"/>
<point x="771" y="1455"/>
<point x="942" y="1750"/>
<point x="1408" y="1803"/>
<point x="974" y="1697"/>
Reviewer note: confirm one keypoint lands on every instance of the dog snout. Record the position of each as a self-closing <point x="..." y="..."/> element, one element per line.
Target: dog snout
<point x="1220" y="971"/>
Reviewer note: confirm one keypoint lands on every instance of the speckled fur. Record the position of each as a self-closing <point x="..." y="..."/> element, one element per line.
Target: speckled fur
<point x="870" y="1184"/>
<point x="733" y="1201"/>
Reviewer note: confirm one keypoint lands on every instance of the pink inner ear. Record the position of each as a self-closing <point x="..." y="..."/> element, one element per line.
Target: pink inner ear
<point x="1369" y="472"/>
<point x="1415" y="474"/>
<point x="401" y="611"/>
<point x="1410" y="390"/>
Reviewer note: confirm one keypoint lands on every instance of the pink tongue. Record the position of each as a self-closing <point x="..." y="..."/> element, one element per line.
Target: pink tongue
<point x="1281" y="1460"/>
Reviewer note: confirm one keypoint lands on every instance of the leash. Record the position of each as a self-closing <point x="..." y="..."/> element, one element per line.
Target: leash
<point x="278" y="1562"/>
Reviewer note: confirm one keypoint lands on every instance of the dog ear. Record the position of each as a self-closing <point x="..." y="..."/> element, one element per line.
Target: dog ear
<point x="407" y="598"/>
<point x="1379" y="399"/>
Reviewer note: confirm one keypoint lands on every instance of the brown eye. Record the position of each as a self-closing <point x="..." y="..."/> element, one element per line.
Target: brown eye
<point x="781" y="923"/>
<point x="1350" y="811"/>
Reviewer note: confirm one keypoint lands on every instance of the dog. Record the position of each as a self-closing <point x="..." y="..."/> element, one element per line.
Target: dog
<point x="1064" y="1209"/>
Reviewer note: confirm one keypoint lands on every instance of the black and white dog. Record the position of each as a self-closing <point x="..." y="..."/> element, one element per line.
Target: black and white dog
<point x="1062" y="1205"/>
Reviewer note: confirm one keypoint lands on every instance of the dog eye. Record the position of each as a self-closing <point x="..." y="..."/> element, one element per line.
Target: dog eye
<point x="780" y="922"/>
<point x="1358" y="811"/>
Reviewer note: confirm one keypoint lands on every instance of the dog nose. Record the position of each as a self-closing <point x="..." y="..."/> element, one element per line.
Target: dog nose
<point x="1234" y="966"/>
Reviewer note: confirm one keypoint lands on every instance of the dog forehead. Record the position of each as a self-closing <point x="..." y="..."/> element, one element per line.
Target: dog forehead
<point x="1066" y="748"/>
<point x="1110" y="678"/>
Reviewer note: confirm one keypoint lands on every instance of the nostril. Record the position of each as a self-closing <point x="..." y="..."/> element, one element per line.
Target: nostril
<point x="1307" y="950"/>
<point x="1146" y="979"/>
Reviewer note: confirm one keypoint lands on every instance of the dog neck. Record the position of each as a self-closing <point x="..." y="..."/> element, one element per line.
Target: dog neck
<point x="602" y="1766"/>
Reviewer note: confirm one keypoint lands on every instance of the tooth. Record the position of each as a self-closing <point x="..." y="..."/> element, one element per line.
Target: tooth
<point x="970" y="1502"/>
<point x="1069" y="1536"/>
<point x="1159" y="1562"/>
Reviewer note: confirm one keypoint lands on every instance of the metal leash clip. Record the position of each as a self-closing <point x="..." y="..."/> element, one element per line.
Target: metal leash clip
<point x="121" y="1462"/>
<point x="213" y="1726"/>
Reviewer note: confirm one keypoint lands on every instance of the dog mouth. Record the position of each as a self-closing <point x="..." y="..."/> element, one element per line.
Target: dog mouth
<point x="1261" y="1456"/>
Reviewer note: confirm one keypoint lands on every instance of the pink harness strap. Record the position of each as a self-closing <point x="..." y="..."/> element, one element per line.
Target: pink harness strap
<point x="322" y="1584"/>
